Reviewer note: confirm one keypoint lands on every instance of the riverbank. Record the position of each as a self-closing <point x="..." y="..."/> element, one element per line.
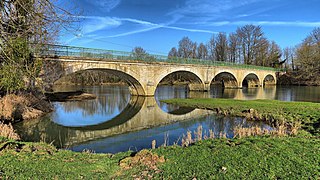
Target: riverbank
<point x="23" y="106"/>
<point x="252" y="157"/>
<point x="69" y="96"/>
<point x="297" y="79"/>
<point x="269" y="156"/>
<point x="274" y="112"/>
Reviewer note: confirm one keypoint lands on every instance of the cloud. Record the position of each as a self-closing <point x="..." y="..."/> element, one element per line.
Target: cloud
<point x="133" y="32"/>
<point x="96" y="23"/>
<point x="92" y="24"/>
<point x="209" y="7"/>
<point x="268" y="23"/>
<point x="106" y="5"/>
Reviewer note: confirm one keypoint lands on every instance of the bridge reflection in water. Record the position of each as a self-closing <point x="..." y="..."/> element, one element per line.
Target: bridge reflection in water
<point x="135" y="113"/>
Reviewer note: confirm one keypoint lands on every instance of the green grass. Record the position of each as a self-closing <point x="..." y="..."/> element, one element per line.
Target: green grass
<point x="265" y="157"/>
<point x="42" y="161"/>
<point x="248" y="158"/>
<point x="306" y="112"/>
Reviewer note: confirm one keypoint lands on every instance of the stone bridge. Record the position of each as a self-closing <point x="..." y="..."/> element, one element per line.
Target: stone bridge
<point x="144" y="77"/>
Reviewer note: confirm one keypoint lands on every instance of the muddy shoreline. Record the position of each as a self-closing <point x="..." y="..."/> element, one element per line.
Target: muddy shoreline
<point x="69" y="96"/>
<point x="31" y="105"/>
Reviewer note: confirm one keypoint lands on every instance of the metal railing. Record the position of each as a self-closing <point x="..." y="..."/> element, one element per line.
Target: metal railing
<point x="71" y="51"/>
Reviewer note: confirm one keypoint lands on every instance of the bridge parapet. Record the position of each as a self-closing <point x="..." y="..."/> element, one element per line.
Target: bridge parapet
<point x="49" y="50"/>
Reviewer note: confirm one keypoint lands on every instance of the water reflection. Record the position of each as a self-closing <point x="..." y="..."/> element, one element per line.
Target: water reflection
<point x="298" y="93"/>
<point x="110" y="102"/>
<point x="115" y="121"/>
<point x="140" y="113"/>
<point x="172" y="133"/>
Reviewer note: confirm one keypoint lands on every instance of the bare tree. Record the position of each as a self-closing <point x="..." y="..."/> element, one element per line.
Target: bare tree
<point x="274" y="54"/>
<point x="308" y="57"/>
<point x="233" y="47"/>
<point x="221" y="47"/>
<point x="211" y="46"/>
<point x="39" y="21"/>
<point x="187" y="48"/>
<point x="250" y="36"/>
<point x="202" y="51"/>
<point x="138" y="53"/>
<point x="261" y="53"/>
<point x="289" y="54"/>
<point x="194" y="50"/>
<point x="25" y="25"/>
<point x="173" y="53"/>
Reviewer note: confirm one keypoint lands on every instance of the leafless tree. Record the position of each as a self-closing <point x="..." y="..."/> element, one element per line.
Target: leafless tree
<point x="221" y="47"/>
<point x="173" y="53"/>
<point x="308" y="57"/>
<point x="251" y="37"/>
<point x="187" y="48"/>
<point x="211" y="46"/>
<point x="274" y="54"/>
<point x="233" y="47"/>
<point x="25" y="25"/>
<point x="289" y="54"/>
<point x="138" y="53"/>
<point x="202" y="51"/>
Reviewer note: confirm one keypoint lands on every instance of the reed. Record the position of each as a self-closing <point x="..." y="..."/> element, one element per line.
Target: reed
<point x="7" y="131"/>
<point x="198" y="133"/>
<point x="153" y="144"/>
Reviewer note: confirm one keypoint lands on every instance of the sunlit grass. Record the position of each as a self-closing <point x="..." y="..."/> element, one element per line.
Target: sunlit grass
<point x="273" y="111"/>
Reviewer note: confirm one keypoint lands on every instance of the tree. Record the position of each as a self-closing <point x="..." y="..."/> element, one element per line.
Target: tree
<point x="138" y="53"/>
<point x="221" y="46"/>
<point x="212" y="48"/>
<point x="202" y="51"/>
<point x="187" y="48"/>
<point x="308" y="56"/>
<point x="274" y="55"/>
<point x="173" y="53"/>
<point x="289" y="55"/>
<point x="233" y="47"/>
<point x="25" y="25"/>
<point x="251" y="37"/>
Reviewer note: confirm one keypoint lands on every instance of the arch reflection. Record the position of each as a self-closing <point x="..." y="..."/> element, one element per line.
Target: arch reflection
<point x="140" y="113"/>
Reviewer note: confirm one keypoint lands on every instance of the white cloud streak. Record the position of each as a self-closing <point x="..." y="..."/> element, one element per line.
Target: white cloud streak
<point x="95" y="23"/>
<point x="209" y="7"/>
<point x="268" y="23"/>
<point x="106" y="5"/>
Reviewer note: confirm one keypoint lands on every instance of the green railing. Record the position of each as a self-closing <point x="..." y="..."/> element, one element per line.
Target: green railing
<point x="71" y="51"/>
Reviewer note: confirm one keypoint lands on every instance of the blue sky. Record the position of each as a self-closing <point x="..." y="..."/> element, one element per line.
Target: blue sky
<point x="158" y="25"/>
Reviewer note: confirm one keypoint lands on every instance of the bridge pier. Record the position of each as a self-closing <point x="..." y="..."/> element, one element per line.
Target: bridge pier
<point x="230" y="84"/>
<point x="199" y="87"/>
<point x="253" y="83"/>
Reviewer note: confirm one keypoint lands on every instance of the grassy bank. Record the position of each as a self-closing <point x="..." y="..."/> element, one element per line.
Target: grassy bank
<point x="249" y="158"/>
<point x="259" y="157"/>
<point x="270" y="110"/>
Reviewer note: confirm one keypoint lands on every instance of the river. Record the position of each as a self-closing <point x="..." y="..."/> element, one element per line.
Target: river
<point x="117" y="121"/>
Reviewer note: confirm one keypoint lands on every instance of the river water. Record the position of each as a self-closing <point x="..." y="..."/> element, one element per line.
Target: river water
<point x="117" y="121"/>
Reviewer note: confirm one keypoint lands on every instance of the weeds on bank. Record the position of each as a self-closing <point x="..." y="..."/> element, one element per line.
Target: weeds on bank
<point x="7" y="131"/>
<point x="281" y="129"/>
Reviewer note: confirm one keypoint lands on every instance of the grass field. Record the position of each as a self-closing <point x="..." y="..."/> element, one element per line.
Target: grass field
<point x="258" y="157"/>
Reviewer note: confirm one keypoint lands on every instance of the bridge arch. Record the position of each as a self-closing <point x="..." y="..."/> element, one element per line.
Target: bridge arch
<point x="226" y="79"/>
<point x="194" y="80"/>
<point x="269" y="80"/>
<point x="135" y="86"/>
<point x="251" y="80"/>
